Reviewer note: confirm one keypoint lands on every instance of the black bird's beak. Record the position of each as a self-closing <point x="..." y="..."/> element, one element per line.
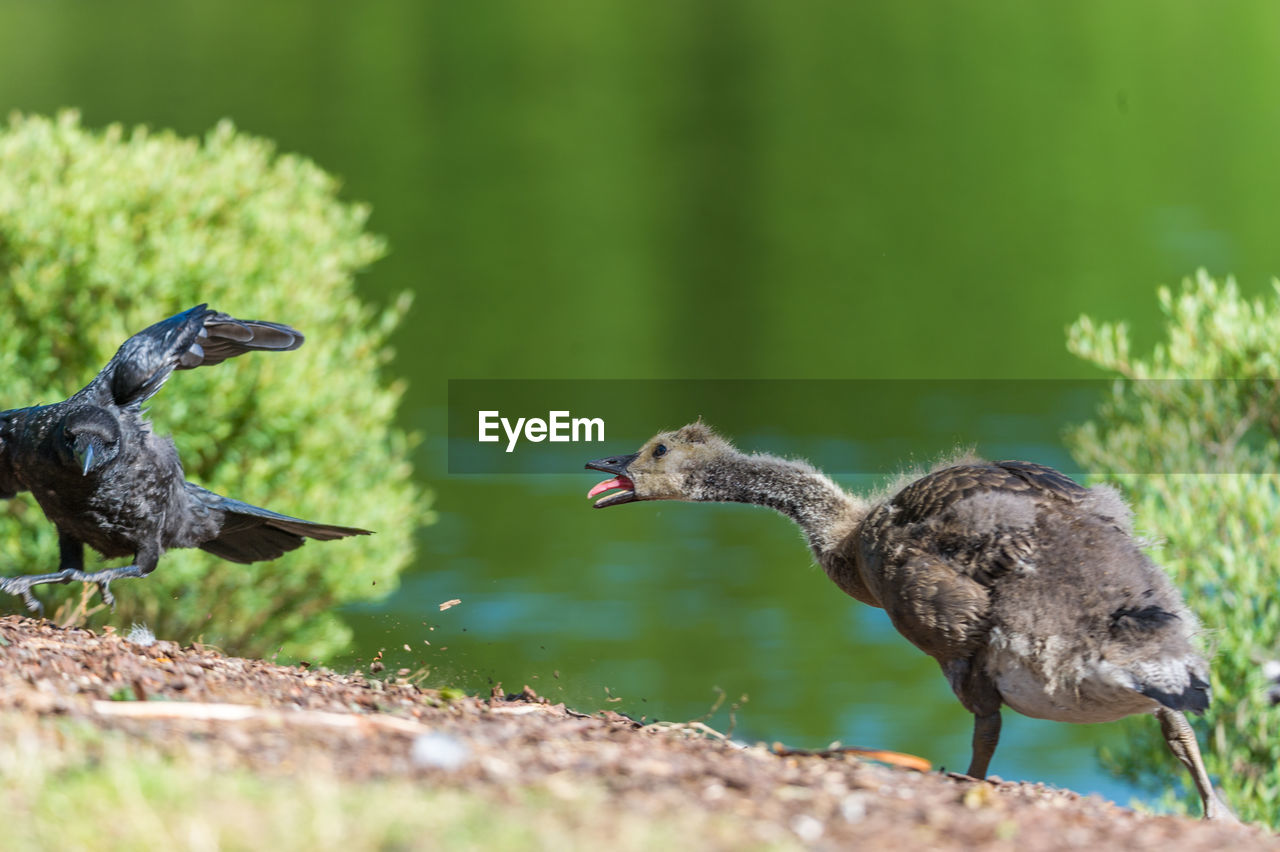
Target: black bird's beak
<point x="616" y="465"/>
<point x="86" y="459"/>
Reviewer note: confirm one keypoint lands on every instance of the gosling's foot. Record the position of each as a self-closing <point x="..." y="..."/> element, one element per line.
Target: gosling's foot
<point x="1217" y="810"/>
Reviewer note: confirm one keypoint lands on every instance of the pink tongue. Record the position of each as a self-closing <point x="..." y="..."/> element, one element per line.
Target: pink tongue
<point x="620" y="482"/>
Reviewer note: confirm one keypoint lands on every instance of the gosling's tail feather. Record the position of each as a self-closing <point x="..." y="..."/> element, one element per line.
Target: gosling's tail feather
<point x="1193" y="699"/>
<point x="1170" y="674"/>
<point x="1179" y="680"/>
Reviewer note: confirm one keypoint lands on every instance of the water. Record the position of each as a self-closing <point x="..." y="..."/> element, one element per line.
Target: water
<point x="719" y="190"/>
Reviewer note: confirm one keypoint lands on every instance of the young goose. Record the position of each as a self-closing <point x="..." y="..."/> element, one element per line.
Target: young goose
<point x="1027" y="588"/>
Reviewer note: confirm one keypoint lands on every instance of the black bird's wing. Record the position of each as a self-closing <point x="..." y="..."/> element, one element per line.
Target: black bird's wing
<point x="9" y="485"/>
<point x="191" y="339"/>
<point x="253" y="534"/>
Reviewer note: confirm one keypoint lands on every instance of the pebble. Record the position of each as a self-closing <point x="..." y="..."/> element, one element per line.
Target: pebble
<point x="437" y="750"/>
<point x="853" y="807"/>
<point x="807" y="828"/>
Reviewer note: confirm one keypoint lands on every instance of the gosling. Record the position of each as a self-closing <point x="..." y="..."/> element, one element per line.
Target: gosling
<point x="1027" y="588"/>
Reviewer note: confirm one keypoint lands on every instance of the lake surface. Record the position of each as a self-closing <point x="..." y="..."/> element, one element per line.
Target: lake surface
<point x="721" y="191"/>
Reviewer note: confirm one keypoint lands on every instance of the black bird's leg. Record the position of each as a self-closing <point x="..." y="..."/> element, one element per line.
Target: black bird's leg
<point x="144" y="562"/>
<point x="70" y="553"/>
<point x="70" y="563"/>
<point x="72" y="570"/>
<point x="22" y="586"/>
<point x="103" y="578"/>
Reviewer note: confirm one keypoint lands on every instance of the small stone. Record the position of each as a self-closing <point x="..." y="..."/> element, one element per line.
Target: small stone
<point x="438" y="750"/>
<point x="853" y="807"/>
<point x="808" y="828"/>
<point x="980" y="796"/>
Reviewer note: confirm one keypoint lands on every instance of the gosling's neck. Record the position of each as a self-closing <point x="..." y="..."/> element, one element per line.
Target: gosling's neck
<point x="823" y="510"/>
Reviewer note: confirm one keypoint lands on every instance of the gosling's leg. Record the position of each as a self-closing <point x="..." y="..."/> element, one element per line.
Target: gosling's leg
<point x="986" y="734"/>
<point x="980" y="697"/>
<point x="1182" y="742"/>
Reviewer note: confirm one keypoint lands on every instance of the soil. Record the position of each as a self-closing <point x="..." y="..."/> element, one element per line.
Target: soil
<point x="273" y="719"/>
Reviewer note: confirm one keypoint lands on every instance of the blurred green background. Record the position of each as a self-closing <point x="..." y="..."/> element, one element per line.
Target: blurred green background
<point x="729" y="190"/>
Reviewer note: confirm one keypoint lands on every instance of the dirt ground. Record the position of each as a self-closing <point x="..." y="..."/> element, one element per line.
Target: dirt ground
<point x="277" y="719"/>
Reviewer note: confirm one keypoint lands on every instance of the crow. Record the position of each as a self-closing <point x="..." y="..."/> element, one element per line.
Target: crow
<point x="104" y="479"/>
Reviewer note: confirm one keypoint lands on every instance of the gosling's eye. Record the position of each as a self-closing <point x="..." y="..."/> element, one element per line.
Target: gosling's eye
<point x="659" y="451"/>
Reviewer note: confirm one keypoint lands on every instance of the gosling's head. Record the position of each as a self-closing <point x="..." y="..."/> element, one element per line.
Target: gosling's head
<point x="663" y="469"/>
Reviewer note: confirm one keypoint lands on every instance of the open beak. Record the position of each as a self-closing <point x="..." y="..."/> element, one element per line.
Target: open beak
<point x="616" y="465"/>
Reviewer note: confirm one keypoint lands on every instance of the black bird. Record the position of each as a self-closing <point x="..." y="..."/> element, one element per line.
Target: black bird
<point x="104" y="479"/>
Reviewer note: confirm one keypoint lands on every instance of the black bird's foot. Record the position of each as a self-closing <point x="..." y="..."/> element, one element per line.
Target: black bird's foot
<point x="102" y="579"/>
<point x="107" y="598"/>
<point x="22" y="586"/>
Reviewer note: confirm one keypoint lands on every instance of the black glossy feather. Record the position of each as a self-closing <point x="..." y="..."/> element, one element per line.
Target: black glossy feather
<point x="253" y="534"/>
<point x="194" y="338"/>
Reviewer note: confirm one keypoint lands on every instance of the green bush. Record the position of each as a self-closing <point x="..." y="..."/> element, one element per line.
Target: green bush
<point x="1194" y="439"/>
<point x="104" y="233"/>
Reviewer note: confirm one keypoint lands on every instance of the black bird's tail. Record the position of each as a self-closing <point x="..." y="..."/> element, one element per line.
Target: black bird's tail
<point x="253" y="534"/>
